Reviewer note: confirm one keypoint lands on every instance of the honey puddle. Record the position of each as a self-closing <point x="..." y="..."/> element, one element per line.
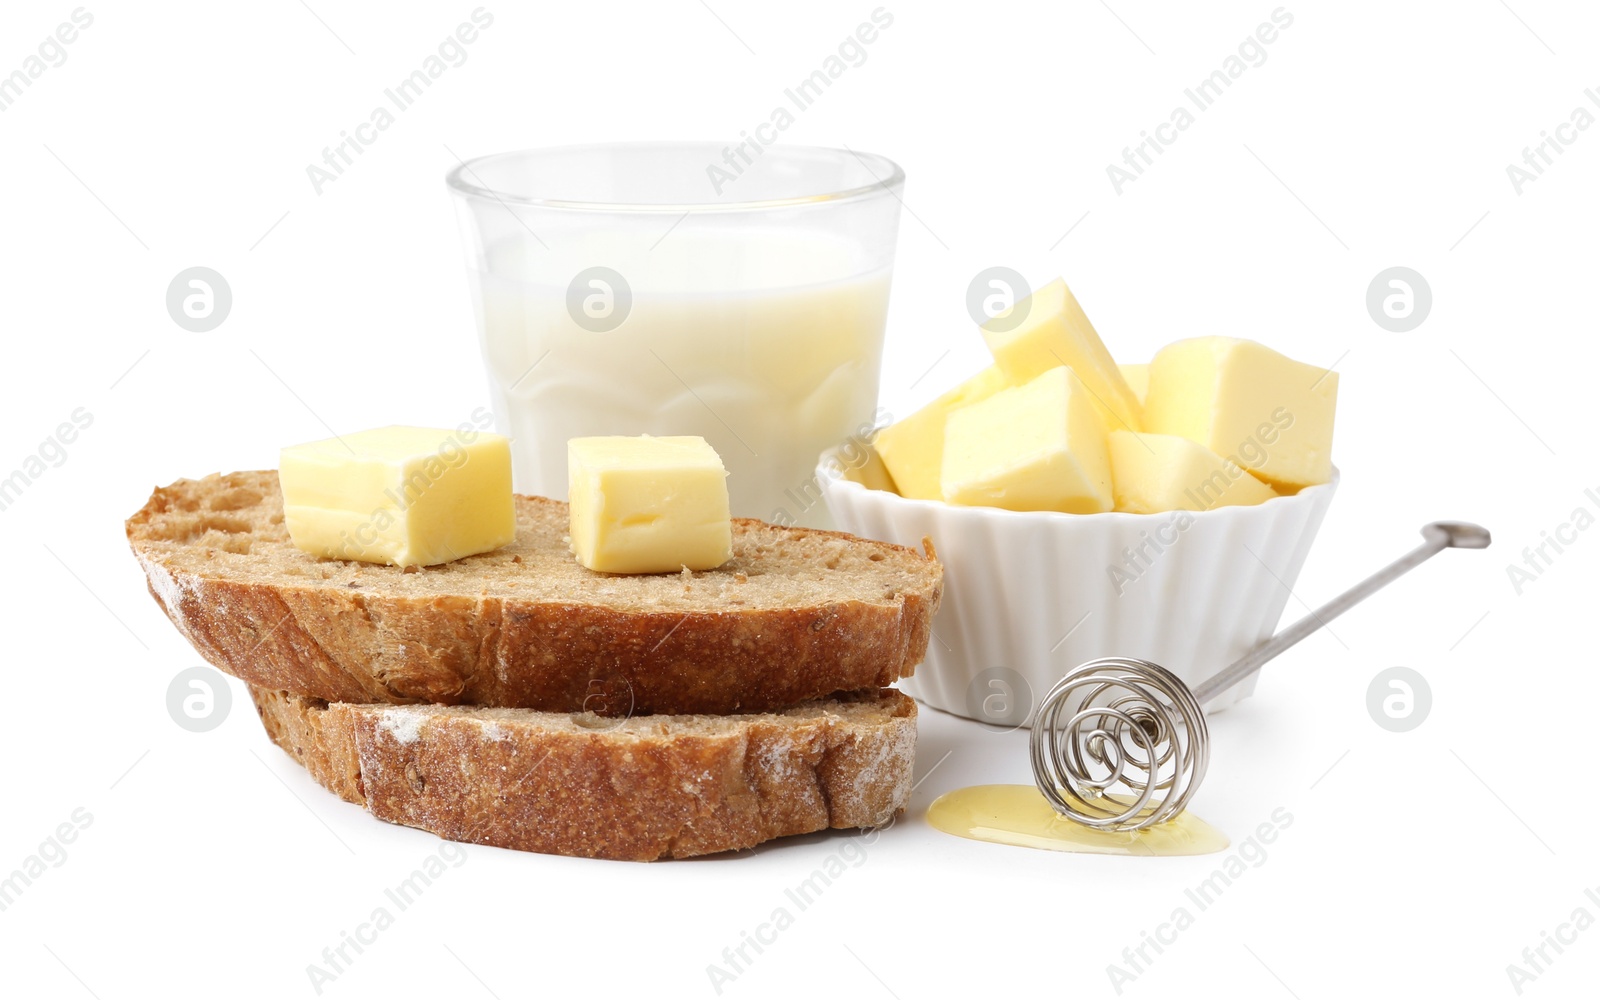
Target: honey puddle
<point x="1020" y="816"/>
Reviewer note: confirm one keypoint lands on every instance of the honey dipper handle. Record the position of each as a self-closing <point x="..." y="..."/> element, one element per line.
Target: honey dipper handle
<point x="1437" y="537"/>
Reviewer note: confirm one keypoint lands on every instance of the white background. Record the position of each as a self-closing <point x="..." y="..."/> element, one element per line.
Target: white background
<point x="1374" y="135"/>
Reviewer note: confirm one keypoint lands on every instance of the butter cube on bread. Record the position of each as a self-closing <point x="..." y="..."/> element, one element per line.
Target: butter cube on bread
<point x="648" y="504"/>
<point x="405" y="496"/>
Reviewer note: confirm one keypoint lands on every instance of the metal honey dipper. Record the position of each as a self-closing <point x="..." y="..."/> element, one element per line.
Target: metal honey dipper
<point x="1121" y="744"/>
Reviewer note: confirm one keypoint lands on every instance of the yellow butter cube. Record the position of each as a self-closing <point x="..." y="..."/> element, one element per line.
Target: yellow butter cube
<point x="1138" y="379"/>
<point x="648" y="504"/>
<point x="1054" y="331"/>
<point x="1039" y="446"/>
<point x="913" y="448"/>
<point x="408" y="496"/>
<point x="1249" y="404"/>
<point x="1152" y="473"/>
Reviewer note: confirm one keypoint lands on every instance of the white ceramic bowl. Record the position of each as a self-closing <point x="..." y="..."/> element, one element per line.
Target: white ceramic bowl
<point x="1029" y="596"/>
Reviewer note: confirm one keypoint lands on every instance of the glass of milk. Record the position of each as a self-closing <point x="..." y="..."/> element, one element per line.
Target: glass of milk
<point x="737" y="293"/>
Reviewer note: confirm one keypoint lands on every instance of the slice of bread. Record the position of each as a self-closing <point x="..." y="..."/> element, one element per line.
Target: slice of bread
<point x="796" y="614"/>
<point x="638" y="789"/>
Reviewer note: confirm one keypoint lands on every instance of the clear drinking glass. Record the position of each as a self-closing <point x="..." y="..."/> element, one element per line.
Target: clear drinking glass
<point x="736" y="293"/>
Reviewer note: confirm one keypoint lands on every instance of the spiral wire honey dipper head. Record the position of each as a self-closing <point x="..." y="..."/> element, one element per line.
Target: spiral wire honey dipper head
<point x="1131" y="750"/>
<point x="1121" y="744"/>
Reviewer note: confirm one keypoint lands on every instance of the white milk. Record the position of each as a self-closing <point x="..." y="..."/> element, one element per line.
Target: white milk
<point x="767" y="345"/>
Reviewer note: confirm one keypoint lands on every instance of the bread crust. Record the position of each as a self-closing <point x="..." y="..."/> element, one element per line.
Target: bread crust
<point x="639" y="789"/>
<point x="360" y="643"/>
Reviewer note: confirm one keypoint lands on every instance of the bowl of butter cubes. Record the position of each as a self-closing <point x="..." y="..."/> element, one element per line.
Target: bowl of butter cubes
<point x="1083" y="508"/>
